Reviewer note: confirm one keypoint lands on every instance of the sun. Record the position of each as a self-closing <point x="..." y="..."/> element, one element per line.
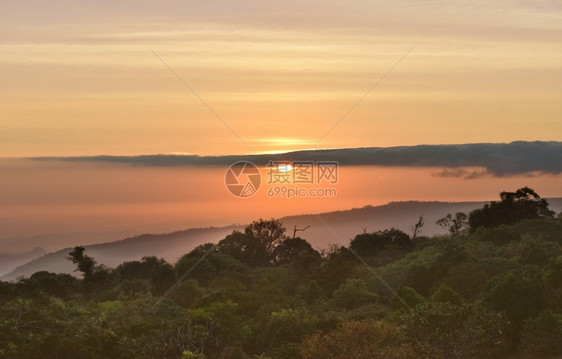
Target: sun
<point x="284" y="168"/>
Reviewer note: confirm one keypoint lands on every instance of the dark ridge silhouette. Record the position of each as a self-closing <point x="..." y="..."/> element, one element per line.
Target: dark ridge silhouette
<point x="496" y="159"/>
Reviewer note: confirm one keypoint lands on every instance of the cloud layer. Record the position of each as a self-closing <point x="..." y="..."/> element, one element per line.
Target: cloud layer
<point x="499" y="160"/>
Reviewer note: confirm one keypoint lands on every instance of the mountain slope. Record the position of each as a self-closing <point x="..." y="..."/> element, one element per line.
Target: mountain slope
<point x="10" y="261"/>
<point x="343" y="226"/>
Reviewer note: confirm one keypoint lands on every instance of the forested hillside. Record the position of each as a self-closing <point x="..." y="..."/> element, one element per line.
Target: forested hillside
<point x="171" y="246"/>
<point x="491" y="287"/>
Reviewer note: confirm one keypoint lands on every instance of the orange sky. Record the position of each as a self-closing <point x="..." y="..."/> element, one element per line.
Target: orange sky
<point x="79" y="79"/>
<point x="38" y="197"/>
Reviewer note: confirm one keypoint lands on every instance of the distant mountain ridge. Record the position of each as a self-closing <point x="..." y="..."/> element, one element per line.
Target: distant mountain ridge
<point x="9" y="261"/>
<point x="56" y="240"/>
<point x="346" y="224"/>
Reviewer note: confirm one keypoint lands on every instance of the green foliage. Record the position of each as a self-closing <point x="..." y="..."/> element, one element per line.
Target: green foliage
<point x="542" y="335"/>
<point x="310" y="292"/>
<point x="536" y="252"/>
<point x="353" y="293"/>
<point x="205" y="266"/>
<point x="146" y="268"/>
<point x="465" y="331"/>
<point x="190" y="355"/>
<point x="446" y="294"/>
<point x="187" y="293"/>
<point x="554" y="272"/>
<point x="219" y="326"/>
<point x="365" y="340"/>
<point x="467" y="279"/>
<point x="410" y="296"/>
<point x="499" y="235"/>
<point x="334" y="270"/>
<point x="62" y="286"/>
<point x="260" y="294"/>
<point x="418" y="270"/>
<point x="287" y="326"/>
<point x="519" y="294"/>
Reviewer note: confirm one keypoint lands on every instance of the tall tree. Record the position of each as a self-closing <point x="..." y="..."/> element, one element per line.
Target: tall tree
<point x="84" y="263"/>
<point x="269" y="232"/>
<point x="516" y="206"/>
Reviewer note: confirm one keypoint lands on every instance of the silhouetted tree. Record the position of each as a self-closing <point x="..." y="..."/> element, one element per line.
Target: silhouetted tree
<point x="268" y="232"/>
<point x="84" y="263"/>
<point x="256" y="246"/>
<point x="296" y="251"/>
<point x="87" y="266"/>
<point x="143" y="269"/>
<point x="516" y="206"/>
<point x="456" y="225"/>
<point x="416" y="229"/>
<point x="371" y="243"/>
<point x="247" y="249"/>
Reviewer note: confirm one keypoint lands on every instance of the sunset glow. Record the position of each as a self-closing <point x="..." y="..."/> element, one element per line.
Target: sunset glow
<point x="280" y="80"/>
<point x="244" y="78"/>
<point x="295" y="179"/>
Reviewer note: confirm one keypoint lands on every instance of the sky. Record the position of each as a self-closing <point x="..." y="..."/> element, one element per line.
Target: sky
<point x="219" y="78"/>
<point x="100" y="202"/>
<point x="79" y="78"/>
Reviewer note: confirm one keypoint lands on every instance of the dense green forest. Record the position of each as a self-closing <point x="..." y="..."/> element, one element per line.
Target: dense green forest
<point x="490" y="287"/>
